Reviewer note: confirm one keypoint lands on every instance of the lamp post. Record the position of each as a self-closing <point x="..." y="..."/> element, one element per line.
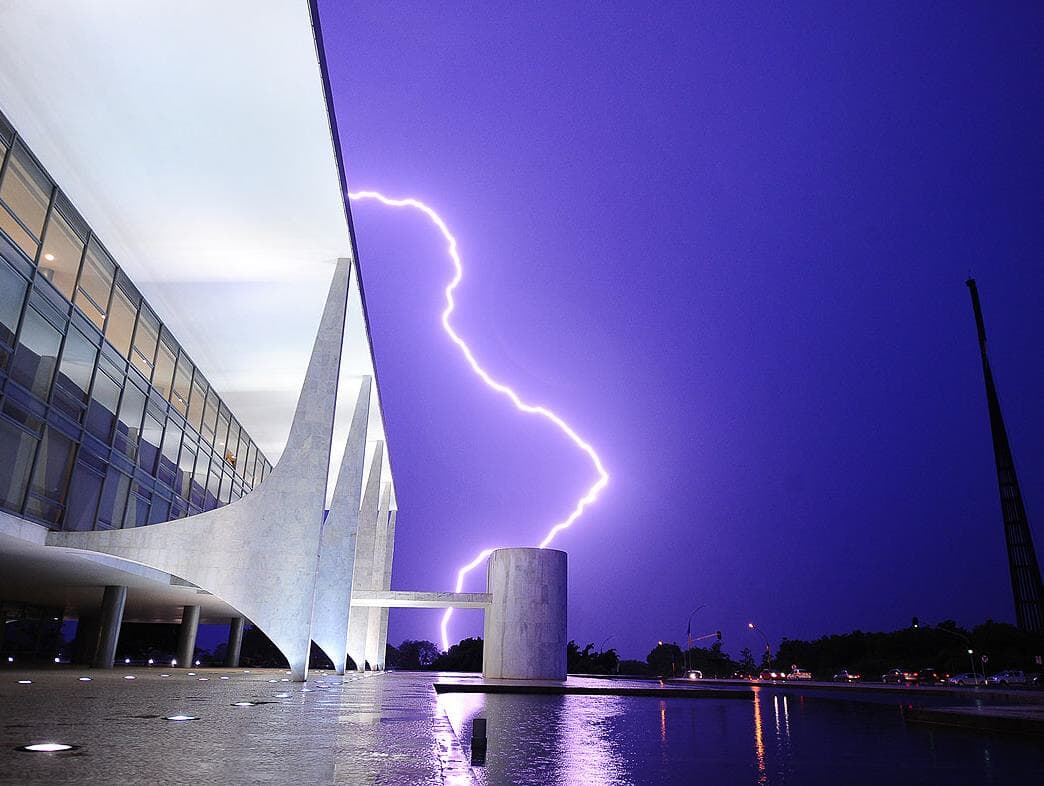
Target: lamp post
<point x="601" y="647"/>
<point x="966" y="640"/>
<point x="764" y="638"/>
<point x="688" y="633"/>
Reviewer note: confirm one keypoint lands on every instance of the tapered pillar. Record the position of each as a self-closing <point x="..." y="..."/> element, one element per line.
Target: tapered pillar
<point x="333" y="587"/>
<point x="235" y="642"/>
<point x="186" y="653"/>
<point x="382" y="644"/>
<point x="111" y="618"/>
<point x="363" y="576"/>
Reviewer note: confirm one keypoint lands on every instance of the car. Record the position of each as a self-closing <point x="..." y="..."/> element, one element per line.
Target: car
<point x="768" y="674"/>
<point x="899" y="677"/>
<point x="930" y="676"/>
<point x="846" y="676"/>
<point x="798" y="674"/>
<point x="741" y="675"/>
<point x="964" y="679"/>
<point x="694" y="674"/>
<point x="1010" y="677"/>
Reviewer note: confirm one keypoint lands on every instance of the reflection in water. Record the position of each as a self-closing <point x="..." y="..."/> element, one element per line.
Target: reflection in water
<point x="587" y="746"/>
<point x="759" y="741"/>
<point x="663" y="719"/>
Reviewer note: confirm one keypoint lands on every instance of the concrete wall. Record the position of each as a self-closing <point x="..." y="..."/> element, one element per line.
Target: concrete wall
<point x="525" y="628"/>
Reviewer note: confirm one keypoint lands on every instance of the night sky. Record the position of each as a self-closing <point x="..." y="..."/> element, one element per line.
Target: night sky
<point x="729" y="246"/>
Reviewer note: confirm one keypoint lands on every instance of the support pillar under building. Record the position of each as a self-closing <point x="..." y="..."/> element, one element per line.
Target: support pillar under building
<point x="235" y="641"/>
<point x="187" y="636"/>
<point x="525" y="628"/>
<point x="111" y="618"/>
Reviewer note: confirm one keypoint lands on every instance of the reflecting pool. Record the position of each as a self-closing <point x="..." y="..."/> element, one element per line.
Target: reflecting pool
<point x="772" y="739"/>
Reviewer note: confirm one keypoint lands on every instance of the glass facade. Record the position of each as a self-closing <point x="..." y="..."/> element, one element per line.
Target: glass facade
<point x="105" y="421"/>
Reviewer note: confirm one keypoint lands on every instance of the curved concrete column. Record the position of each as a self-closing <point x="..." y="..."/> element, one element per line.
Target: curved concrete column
<point x="333" y="590"/>
<point x="374" y="654"/>
<point x="259" y="554"/>
<point x="365" y="542"/>
<point x="382" y="644"/>
<point x="525" y="629"/>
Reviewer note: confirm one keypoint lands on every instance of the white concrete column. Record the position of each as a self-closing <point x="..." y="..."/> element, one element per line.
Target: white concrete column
<point x="235" y="642"/>
<point x="113" y="601"/>
<point x="380" y="551"/>
<point x="333" y="589"/>
<point x="186" y="652"/>
<point x="525" y="627"/>
<point x="366" y="538"/>
<point x="382" y="644"/>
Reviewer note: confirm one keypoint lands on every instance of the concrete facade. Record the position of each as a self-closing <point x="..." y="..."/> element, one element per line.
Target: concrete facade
<point x="525" y="627"/>
<point x="259" y="553"/>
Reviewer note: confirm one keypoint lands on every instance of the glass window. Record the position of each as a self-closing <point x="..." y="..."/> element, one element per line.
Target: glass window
<point x="82" y="505"/>
<point x="161" y="378"/>
<point x="16" y="459"/>
<point x="213" y="487"/>
<point x="185" y="464"/>
<point x="113" y="499"/>
<point x="62" y="250"/>
<point x="74" y="373"/>
<point x="121" y="320"/>
<point x="151" y="437"/>
<point x="199" y="395"/>
<point x="25" y="193"/>
<point x="233" y="444"/>
<point x="177" y="508"/>
<point x="226" y="488"/>
<point x="248" y="464"/>
<point x="160" y="510"/>
<point x="198" y="489"/>
<point x="37" y="355"/>
<point x="221" y="437"/>
<point x="137" y="513"/>
<point x="179" y="394"/>
<point x="169" y="455"/>
<point x="145" y="337"/>
<point x="92" y="294"/>
<point x="210" y="416"/>
<point x="129" y="426"/>
<point x="101" y="411"/>
<point x="12" y="295"/>
<point x="54" y="459"/>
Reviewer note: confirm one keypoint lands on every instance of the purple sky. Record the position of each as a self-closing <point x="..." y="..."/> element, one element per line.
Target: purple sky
<point x="729" y="246"/>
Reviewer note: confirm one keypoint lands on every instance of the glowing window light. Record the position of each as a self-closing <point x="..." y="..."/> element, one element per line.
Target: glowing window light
<point x="499" y="387"/>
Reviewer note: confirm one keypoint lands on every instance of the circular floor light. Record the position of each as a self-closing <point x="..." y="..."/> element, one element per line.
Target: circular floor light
<point x="164" y="675"/>
<point x="244" y="704"/>
<point x="224" y="678"/>
<point x="192" y="674"/>
<point x="204" y="679"/>
<point x="85" y="679"/>
<point x="129" y="677"/>
<point x="282" y="695"/>
<point x="47" y="747"/>
<point x="180" y="718"/>
<point x="25" y="682"/>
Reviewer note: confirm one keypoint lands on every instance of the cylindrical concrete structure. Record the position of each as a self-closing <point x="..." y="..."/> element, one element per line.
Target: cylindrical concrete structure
<point x="525" y="630"/>
<point x="235" y="642"/>
<point x="111" y="618"/>
<point x="187" y="636"/>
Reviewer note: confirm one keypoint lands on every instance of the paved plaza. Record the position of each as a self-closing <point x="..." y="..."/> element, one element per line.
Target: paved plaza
<point x="359" y="729"/>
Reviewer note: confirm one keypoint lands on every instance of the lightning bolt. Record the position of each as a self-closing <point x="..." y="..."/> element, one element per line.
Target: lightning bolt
<point x="499" y="387"/>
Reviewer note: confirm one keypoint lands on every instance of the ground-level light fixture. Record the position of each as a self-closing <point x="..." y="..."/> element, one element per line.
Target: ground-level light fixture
<point x="126" y="660"/>
<point x="244" y="703"/>
<point x="129" y="677"/>
<point x="85" y="679"/>
<point x="180" y="718"/>
<point x="47" y="747"/>
<point x="57" y="660"/>
<point x="25" y="682"/>
<point x="204" y="679"/>
<point x="164" y="675"/>
<point x="224" y="678"/>
<point x="197" y="662"/>
<point x="282" y="695"/>
<point x="151" y="661"/>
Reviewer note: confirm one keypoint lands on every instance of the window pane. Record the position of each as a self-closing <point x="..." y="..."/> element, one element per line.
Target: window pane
<point x="161" y="379"/>
<point x="82" y="505"/>
<point x="101" y="411"/>
<point x="213" y="487"/>
<point x="129" y="426"/>
<point x="92" y="294"/>
<point x="233" y="444"/>
<point x="169" y="455"/>
<point x="210" y="416"/>
<point x="199" y="394"/>
<point x="60" y="260"/>
<point x="221" y="437"/>
<point x="151" y="436"/>
<point x="121" y="320"/>
<point x="53" y="467"/>
<point x="12" y="295"/>
<point x="78" y="356"/>
<point x="37" y="354"/>
<point x="198" y="489"/>
<point x="185" y="464"/>
<point x="16" y="458"/>
<point x="26" y="192"/>
<point x="179" y="394"/>
<point x="145" y="337"/>
<point x="113" y="499"/>
<point x="137" y="513"/>
<point x="160" y="510"/>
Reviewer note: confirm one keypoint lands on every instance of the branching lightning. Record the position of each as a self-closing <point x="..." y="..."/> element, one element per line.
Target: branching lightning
<point x="499" y="387"/>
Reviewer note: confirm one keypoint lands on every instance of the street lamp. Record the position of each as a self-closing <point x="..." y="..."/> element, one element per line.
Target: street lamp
<point x="688" y="632"/>
<point x="601" y="647"/>
<point x="756" y="629"/>
<point x="966" y="640"/>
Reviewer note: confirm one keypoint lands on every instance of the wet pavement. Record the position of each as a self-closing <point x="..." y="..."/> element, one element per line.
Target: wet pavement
<point x="252" y="726"/>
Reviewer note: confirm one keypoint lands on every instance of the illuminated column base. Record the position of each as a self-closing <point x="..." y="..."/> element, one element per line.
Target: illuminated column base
<point x="525" y="628"/>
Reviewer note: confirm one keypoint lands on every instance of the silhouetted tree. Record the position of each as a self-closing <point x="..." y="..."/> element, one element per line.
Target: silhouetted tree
<point x="587" y="661"/>
<point x="747" y="661"/>
<point x="636" y="667"/>
<point x="665" y="660"/>
<point x="416" y="654"/>
<point x="465" y="655"/>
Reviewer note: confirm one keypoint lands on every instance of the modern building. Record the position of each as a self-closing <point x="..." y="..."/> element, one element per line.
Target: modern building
<point x="173" y="239"/>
